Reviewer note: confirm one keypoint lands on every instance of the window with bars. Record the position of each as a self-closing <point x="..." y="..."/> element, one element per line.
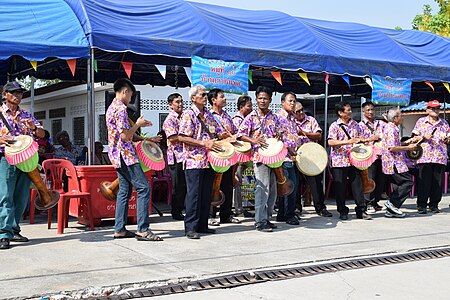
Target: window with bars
<point x="56" y="127"/>
<point x="40" y="115"/>
<point x="57" y="113"/>
<point x="103" y="131"/>
<point x="78" y="131"/>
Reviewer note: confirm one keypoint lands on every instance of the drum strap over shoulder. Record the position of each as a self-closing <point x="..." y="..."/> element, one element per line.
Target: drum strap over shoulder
<point x="370" y="127"/>
<point x="6" y="123"/>
<point x="202" y="124"/>
<point x="345" y="131"/>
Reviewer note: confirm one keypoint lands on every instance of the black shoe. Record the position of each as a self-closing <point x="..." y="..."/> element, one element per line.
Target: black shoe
<point x="343" y="217"/>
<point x="293" y="221"/>
<point x="325" y="213"/>
<point x="192" y="235"/>
<point x="281" y="219"/>
<point x="263" y="227"/>
<point x="4" y="243"/>
<point x="434" y="210"/>
<point x="271" y="225"/>
<point x="363" y="216"/>
<point x="377" y="207"/>
<point x="19" y="238"/>
<point x="207" y="230"/>
<point x="248" y="214"/>
<point x="421" y="210"/>
<point x="178" y="216"/>
<point x="231" y="220"/>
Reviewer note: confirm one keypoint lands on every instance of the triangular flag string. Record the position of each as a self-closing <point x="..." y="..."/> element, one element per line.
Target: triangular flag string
<point x="188" y="73"/>
<point x="277" y="76"/>
<point x="327" y="78"/>
<point x="250" y="76"/>
<point x="72" y="63"/>
<point x="162" y="70"/>
<point x="446" y="86"/>
<point x="346" y="79"/>
<point x="95" y="66"/>
<point x="369" y="81"/>
<point x="304" y="76"/>
<point x="34" y="64"/>
<point x="430" y="85"/>
<point x="128" y="66"/>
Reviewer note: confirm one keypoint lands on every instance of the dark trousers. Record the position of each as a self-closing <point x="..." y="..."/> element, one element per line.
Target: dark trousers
<point x="402" y="187"/>
<point x="340" y="182"/>
<point x="375" y="172"/>
<point x="178" y="188"/>
<point x="226" y="186"/>
<point x="199" y="187"/>
<point x="430" y="184"/>
<point x="315" y="182"/>
<point x="286" y="205"/>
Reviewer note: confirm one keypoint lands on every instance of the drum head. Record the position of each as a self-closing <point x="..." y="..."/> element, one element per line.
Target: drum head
<point x="242" y="147"/>
<point x="414" y="154"/>
<point x="361" y="152"/>
<point x="227" y="150"/>
<point x="311" y="159"/>
<point x="152" y="151"/>
<point x="21" y="143"/>
<point x="274" y="147"/>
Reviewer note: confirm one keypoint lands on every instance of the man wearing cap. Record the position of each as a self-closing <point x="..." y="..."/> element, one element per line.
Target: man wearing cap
<point x="435" y="133"/>
<point x="14" y="184"/>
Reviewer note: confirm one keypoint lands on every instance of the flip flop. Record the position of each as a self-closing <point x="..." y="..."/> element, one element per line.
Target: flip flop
<point x="149" y="237"/>
<point x="128" y="234"/>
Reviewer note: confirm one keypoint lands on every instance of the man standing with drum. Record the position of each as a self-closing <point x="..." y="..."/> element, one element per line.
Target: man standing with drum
<point x="175" y="155"/>
<point x="310" y="131"/>
<point x="343" y="133"/>
<point x="122" y="154"/>
<point x="14" y="184"/>
<point x="436" y="133"/>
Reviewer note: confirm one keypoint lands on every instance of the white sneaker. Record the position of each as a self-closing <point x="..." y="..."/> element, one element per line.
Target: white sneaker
<point x="388" y="214"/>
<point x="392" y="209"/>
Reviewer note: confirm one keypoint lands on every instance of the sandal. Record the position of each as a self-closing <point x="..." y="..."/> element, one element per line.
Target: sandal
<point x="213" y="222"/>
<point x="149" y="236"/>
<point x="128" y="234"/>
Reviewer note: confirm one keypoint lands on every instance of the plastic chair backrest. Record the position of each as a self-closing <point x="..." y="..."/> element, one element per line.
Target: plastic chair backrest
<point x="55" y="170"/>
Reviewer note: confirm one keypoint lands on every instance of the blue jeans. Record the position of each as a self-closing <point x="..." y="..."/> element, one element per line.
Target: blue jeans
<point x="266" y="192"/>
<point x="286" y="205"/>
<point x="130" y="176"/>
<point x="14" y="195"/>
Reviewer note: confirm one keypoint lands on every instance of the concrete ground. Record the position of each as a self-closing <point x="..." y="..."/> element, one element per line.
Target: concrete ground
<point x="82" y="263"/>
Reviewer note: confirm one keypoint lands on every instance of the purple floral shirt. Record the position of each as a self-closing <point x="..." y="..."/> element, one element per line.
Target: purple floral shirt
<point x="225" y="121"/>
<point x="252" y="127"/>
<point x="16" y="122"/>
<point x="339" y="155"/>
<point x="290" y="137"/>
<point x="117" y="122"/>
<point x="389" y="159"/>
<point x="434" y="150"/>
<point x="372" y="128"/>
<point x="308" y="124"/>
<point x="190" y="126"/>
<point x="171" y="126"/>
<point x="238" y="119"/>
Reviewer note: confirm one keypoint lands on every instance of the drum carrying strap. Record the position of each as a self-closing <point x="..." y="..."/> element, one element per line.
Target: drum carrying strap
<point x="6" y="123"/>
<point x="345" y="131"/>
<point x="202" y="124"/>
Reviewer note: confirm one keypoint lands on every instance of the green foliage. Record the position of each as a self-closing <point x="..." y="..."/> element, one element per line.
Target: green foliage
<point x="26" y="82"/>
<point x="436" y="23"/>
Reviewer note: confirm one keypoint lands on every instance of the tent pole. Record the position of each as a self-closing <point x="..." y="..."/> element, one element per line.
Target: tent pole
<point x="91" y="108"/>
<point x="325" y="133"/>
<point x="33" y="80"/>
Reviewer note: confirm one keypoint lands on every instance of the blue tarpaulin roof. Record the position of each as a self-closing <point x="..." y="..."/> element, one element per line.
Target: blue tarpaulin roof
<point x="181" y="29"/>
<point x="420" y="106"/>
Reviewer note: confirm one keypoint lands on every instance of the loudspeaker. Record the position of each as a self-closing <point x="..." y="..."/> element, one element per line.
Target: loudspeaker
<point x="133" y="108"/>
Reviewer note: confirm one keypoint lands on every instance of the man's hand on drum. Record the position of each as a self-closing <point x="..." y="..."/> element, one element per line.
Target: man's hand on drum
<point x="209" y="144"/>
<point x="29" y="124"/>
<point x="156" y="139"/>
<point x="4" y="140"/>
<point x="261" y="141"/>
<point x="141" y="122"/>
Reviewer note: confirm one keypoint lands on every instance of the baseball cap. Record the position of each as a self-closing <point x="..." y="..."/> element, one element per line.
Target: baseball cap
<point x="433" y="103"/>
<point x="12" y="87"/>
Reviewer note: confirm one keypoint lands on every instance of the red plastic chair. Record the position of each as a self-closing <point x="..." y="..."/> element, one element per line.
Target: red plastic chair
<point x="55" y="170"/>
<point x="160" y="177"/>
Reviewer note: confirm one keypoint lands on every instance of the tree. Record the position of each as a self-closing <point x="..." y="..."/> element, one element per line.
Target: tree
<point x="438" y="23"/>
<point x="26" y="82"/>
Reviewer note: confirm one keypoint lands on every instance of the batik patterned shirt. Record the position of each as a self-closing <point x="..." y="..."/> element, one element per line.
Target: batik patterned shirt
<point x="190" y="126"/>
<point x="171" y="126"/>
<point x="434" y="149"/>
<point x="389" y="159"/>
<point x="308" y="124"/>
<point x="225" y="121"/>
<point x="238" y="119"/>
<point x="76" y="154"/>
<point x="290" y="137"/>
<point x="339" y="155"/>
<point x="17" y="122"/>
<point x="117" y="122"/>
<point x="372" y="128"/>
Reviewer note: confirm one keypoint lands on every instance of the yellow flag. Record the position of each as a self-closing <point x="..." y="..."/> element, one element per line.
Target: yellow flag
<point x="446" y="86"/>
<point x="304" y="76"/>
<point x="34" y="64"/>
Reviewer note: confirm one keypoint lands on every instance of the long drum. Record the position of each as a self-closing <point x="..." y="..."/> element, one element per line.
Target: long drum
<point x="362" y="156"/>
<point x="311" y="159"/>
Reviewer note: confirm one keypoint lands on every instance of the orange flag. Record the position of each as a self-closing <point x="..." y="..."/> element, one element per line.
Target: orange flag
<point x="277" y="76"/>
<point x="430" y="85"/>
<point x="127" y="66"/>
<point x="72" y="63"/>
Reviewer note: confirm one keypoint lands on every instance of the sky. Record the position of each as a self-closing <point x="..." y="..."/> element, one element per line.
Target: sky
<point x="378" y="13"/>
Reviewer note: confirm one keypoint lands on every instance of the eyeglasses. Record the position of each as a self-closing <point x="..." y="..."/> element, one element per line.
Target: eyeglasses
<point x="299" y="111"/>
<point x="434" y="108"/>
<point x="204" y="94"/>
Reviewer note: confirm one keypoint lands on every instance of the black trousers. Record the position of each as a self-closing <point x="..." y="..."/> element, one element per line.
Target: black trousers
<point x="315" y="182"/>
<point x="340" y="182"/>
<point x="402" y="187"/>
<point x="376" y="173"/>
<point x="198" y="201"/>
<point x="226" y="186"/>
<point x="178" y="188"/>
<point x="430" y="184"/>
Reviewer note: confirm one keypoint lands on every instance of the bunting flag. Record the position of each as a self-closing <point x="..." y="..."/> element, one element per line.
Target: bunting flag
<point x="446" y="86"/>
<point x="250" y="76"/>
<point x="304" y="76"/>
<point x="72" y="63"/>
<point x="162" y="70"/>
<point x="34" y="64"/>
<point x="188" y="73"/>
<point x="346" y="79"/>
<point x="127" y="66"/>
<point x="277" y="76"/>
<point x="95" y="66"/>
<point x="327" y="78"/>
<point x="369" y="81"/>
<point x="430" y="85"/>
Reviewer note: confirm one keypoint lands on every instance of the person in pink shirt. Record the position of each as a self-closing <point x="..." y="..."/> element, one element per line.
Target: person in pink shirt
<point x="343" y="133"/>
<point x="175" y="155"/>
<point x="435" y="133"/>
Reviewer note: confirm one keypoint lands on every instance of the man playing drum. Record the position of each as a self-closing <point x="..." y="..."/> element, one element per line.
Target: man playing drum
<point x="259" y="125"/>
<point x="373" y="130"/>
<point x="175" y="154"/>
<point x="435" y="132"/>
<point x="310" y="131"/>
<point x="343" y="133"/>
<point x="122" y="154"/>
<point x="14" y="184"/>
<point x="198" y="129"/>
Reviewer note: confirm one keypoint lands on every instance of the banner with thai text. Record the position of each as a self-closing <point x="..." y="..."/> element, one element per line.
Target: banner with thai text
<point x="390" y="91"/>
<point x="231" y="77"/>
